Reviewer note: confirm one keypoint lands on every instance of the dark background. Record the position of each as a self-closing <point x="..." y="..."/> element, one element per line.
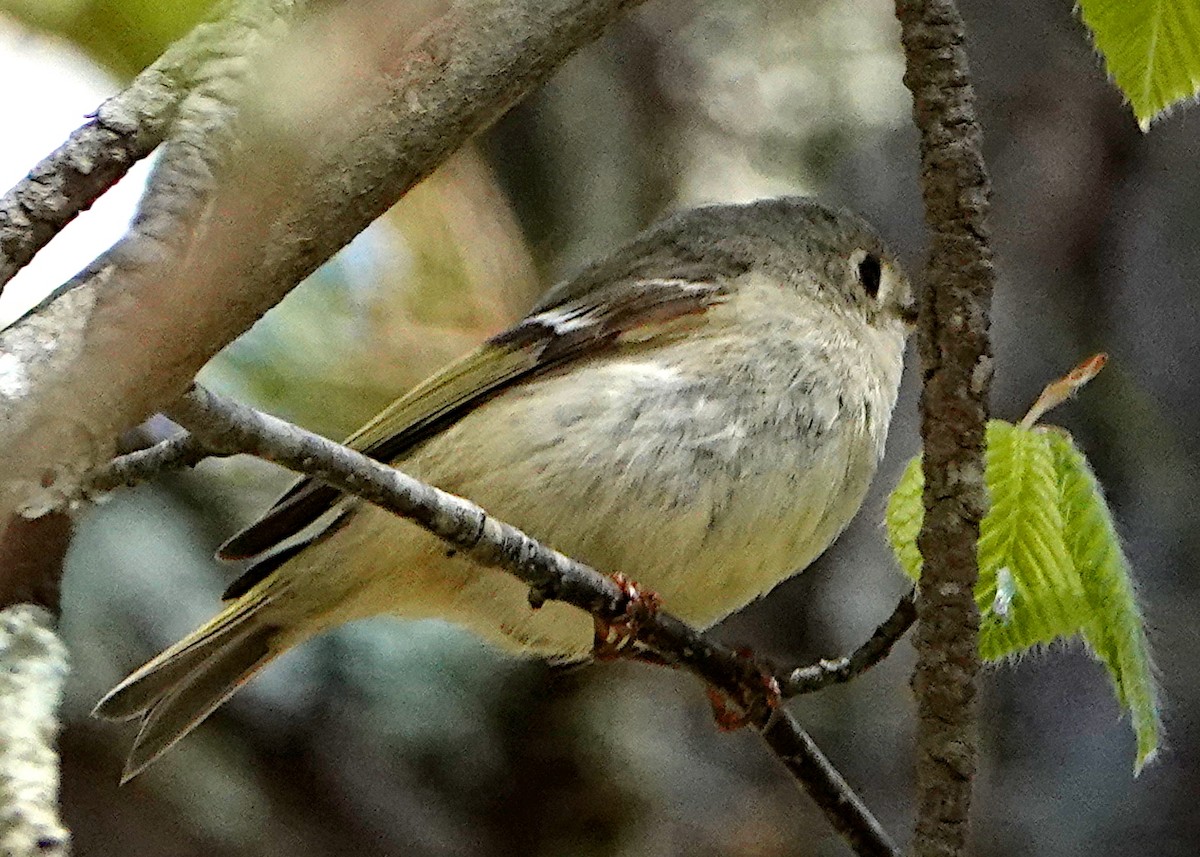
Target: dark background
<point x="387" y="738"/>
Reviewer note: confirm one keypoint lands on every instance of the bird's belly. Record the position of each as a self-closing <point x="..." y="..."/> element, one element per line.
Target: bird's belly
<point x="707" y="507"/>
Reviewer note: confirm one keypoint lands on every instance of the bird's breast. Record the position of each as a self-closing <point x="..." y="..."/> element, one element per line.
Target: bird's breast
<point x="709" y="487"/>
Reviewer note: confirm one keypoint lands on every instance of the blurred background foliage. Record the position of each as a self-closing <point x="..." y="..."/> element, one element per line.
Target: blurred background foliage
<point x="124" y="36"/>
<point x="389" y="737"/>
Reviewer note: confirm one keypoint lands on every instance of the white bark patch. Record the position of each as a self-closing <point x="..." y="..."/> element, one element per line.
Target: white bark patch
<point x="33" y="665"/>
<point x="14" y="379"/>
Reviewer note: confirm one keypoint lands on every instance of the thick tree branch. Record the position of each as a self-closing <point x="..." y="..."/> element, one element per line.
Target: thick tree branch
<point x="324" y="153"/>
<point x="227" y="427"/>
<point x="221" y="61"/>
<point x="189" y="94"/>
<point x="131" y="331"/>
<point x="957" y="367"/>
<point x="124" y="129"/>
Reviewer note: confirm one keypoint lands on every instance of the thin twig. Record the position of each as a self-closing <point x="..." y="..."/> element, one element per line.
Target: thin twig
<point x="840" y="670"/>
<point x="821" y="780"/>
<point x="228" y="427"/>
<point x="957" y="369"/>
<point x="175" y="453"/>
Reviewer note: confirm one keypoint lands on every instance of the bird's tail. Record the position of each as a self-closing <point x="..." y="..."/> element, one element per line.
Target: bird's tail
<point x="183" y="685"/>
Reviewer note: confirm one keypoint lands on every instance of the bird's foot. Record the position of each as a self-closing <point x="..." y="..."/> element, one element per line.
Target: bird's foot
<point x="614" y="638"/>
<point x="736" y="712"/>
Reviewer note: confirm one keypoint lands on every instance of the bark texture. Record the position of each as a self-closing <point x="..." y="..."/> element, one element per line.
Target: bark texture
<point x="33" y="665"/>
<point x="125" y="129"/>
<point x="957" y="369"/>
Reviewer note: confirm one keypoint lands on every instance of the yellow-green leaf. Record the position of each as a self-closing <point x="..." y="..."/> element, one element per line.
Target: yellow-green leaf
<point x="1115" y="630"/>
<point x="1151" y="49"/>
<point x="903" y="516"/>
<point x="1050" y="563"/>
<point x="1027" y="592"/>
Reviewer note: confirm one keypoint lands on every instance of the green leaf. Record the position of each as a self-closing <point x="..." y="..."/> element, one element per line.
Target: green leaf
<point x="1151" y="49"/>
<point x="1050" y="563"/>
<point x="1115" y="630"/>
<point x="903" y="516"/>
<point x="1022" y="534"/>
<point x="1027" y="591"/>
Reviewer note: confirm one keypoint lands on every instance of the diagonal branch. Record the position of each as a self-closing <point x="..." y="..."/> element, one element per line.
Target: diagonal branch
<point x="227" y="427"/>
<point x="184" y="450"/>
<point x="123" y="130"/>
<point x="324" y="152"/>
<point x="221" y="60"/>
<point x="821" y="780"/>
<point x="189" y="95"/>
<point x="957" y="368"/>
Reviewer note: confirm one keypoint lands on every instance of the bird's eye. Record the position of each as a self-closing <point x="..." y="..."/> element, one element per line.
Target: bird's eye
<point x="869" y="273"/>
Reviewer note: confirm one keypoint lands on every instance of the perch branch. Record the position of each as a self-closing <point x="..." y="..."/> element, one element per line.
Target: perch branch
<point x="185" y="450"/>
<point x="228" y="427"/>
<point x="821" y="780"/>
<point x="957" y="369"/>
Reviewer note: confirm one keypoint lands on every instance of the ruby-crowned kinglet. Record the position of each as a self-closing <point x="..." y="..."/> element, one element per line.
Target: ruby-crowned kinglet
<point x="702" y="410"/>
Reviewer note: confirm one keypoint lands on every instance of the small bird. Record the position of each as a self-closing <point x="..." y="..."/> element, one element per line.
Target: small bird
<point x="702" y="410"/>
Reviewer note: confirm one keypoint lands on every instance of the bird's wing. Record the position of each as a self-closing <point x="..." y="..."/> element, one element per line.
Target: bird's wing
<point x="631" y="309"/>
